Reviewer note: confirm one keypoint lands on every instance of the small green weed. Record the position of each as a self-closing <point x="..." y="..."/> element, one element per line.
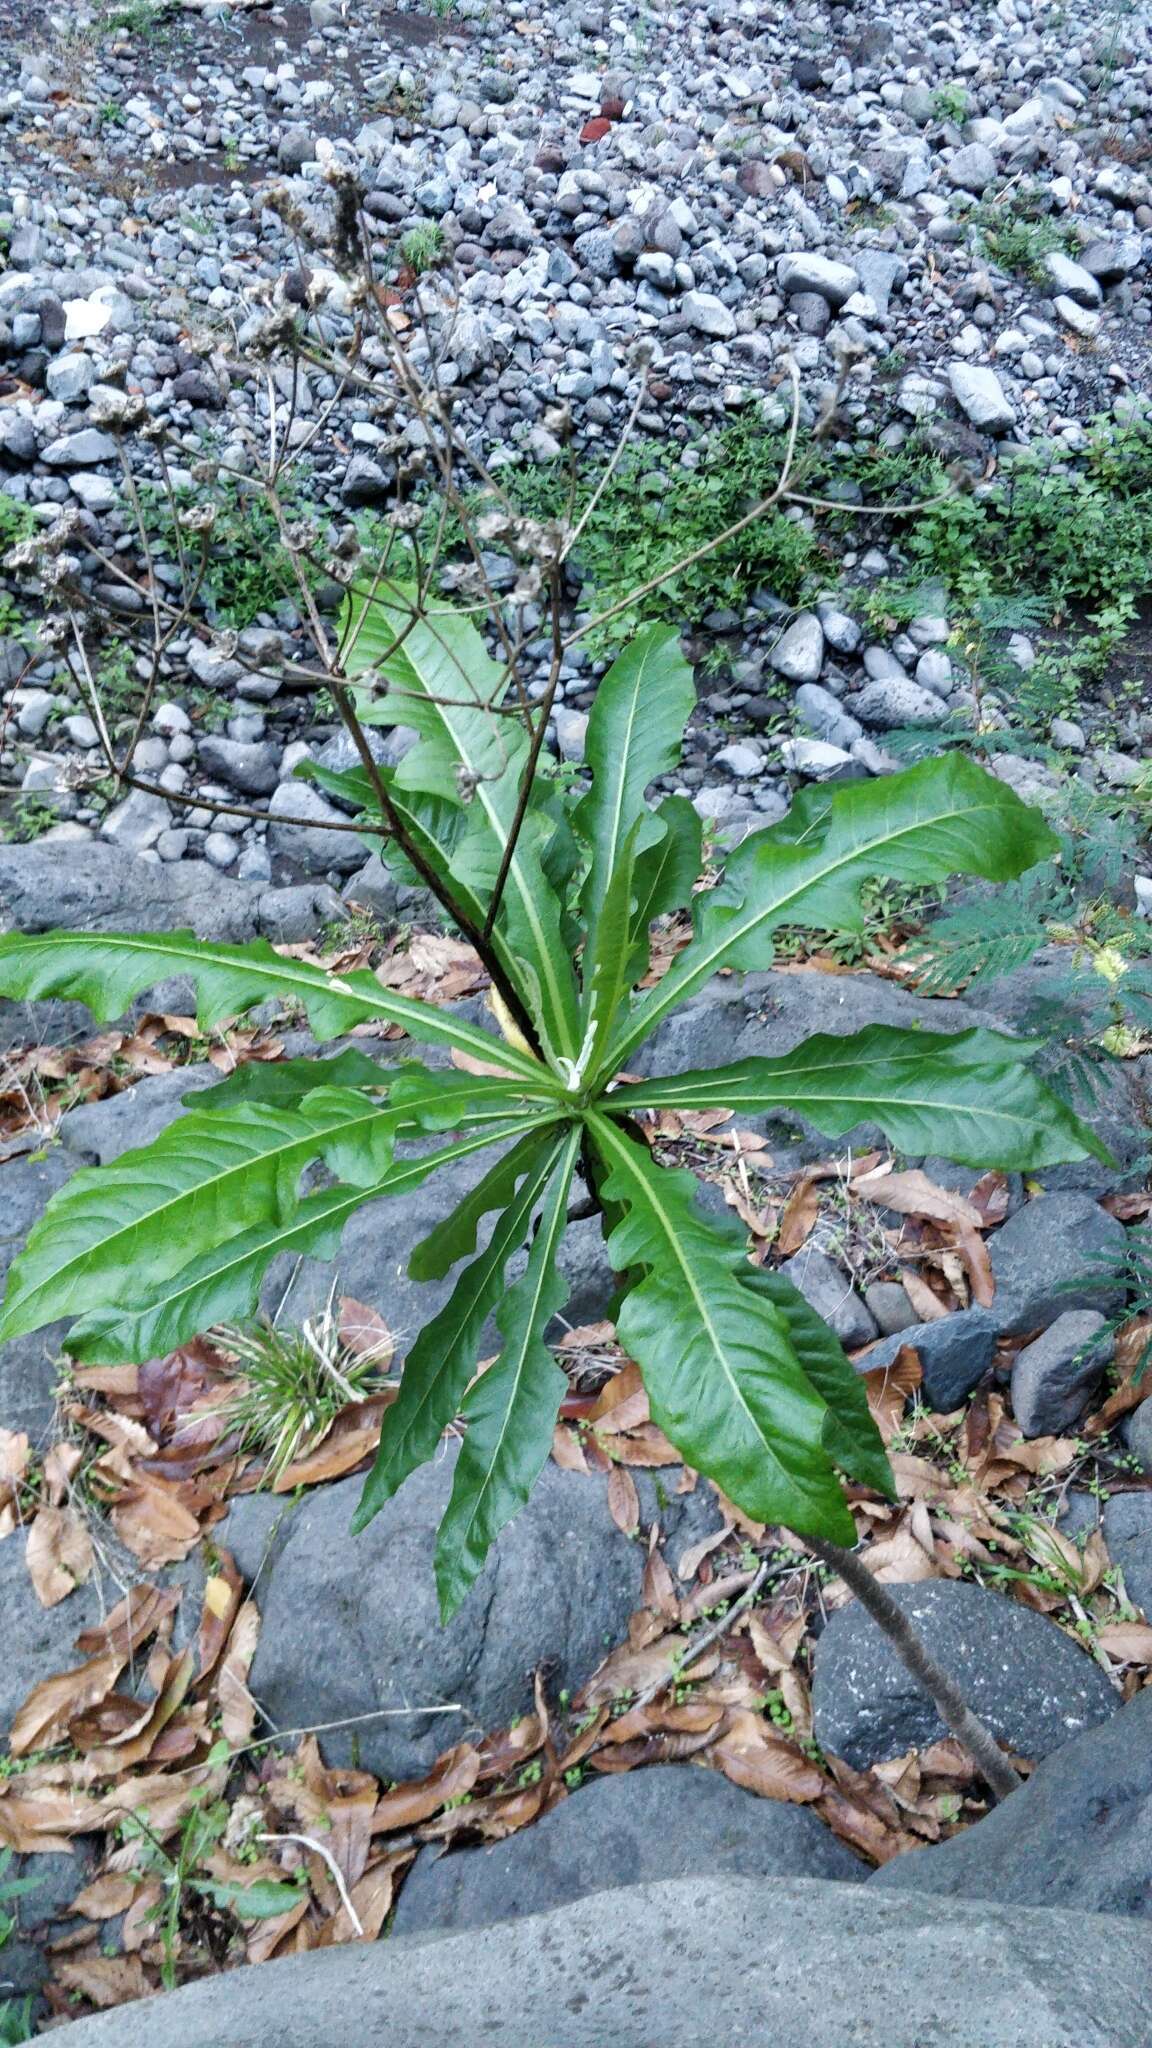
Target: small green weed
<point x="131" y="17"/>
<point x="1017" y="233"/>
<point x="423" y="246"/>
<point x="193" y="1907"/>
<point x="29" y="817"/>
<point x="950" y="102"/>
<point x="15" y="2014"/>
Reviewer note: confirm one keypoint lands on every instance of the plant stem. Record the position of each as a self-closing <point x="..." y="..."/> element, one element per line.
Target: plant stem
<point x="913" y="1653"/>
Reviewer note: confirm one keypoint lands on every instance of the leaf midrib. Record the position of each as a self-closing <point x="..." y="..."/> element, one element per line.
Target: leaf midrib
<point x="410" y="1172"/>
<point x="650" y="1195"/>
<point x="643" y="1023"/>
<point x="563" y="1170"/>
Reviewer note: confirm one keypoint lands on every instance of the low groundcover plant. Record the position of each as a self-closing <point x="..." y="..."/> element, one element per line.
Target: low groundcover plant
<point x="557" y="886"/>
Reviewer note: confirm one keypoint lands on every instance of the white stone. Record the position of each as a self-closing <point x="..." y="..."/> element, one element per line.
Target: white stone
<point x="972" y="169"/>
<point x="799" y="652"/>
<point x="85" y="317"/>
<point x="817" y="758"/>
<point x="808" y="272"/>
<point x="841" y="632"/>
<point x="981" y="396"/>
<point x="96" y="493"/>
<point x="742" y="760"/>
<point x="934" y="671"/>
<point x="708" y="315"/>
<point x="1072" y="279"/>
<point x="170" y="718"/>
<point x="1078" y="318"/>
<point x="136" y="824"/>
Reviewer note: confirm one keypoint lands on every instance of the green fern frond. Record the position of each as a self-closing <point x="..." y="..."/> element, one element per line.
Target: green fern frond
<point x="980" y="941"/>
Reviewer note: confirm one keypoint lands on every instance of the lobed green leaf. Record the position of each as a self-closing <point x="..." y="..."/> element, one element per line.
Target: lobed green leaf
<point x="108" y="970"/>
<point x="511" y="1409"/>
<point x="971" y="1096"/>
<point x="724" y="1380"/>
<point x="154" y="1316"/>
<point x="442" y="1360"/>
<point x="943" y="818"/>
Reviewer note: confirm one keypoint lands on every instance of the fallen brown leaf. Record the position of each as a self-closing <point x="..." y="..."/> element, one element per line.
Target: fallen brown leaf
<point x="405" y="1805"/>
<point x="353" y="1436"/>
<point x="237" y="1707"/>
<point x="106" y="1897"/>
<point x="888" y="1388"/>
<point x="105" y="1981"/>
<point x="43" y="1719"/>
<point x="364" y="1332"/>
<point x="59" y="1554"/>
<point x="143" y="1610"/>
<point x="798" y="1217"/>
<point x="1129" y="1642"/>
<point x="154" y="1524"/>
<point x="764" y="1763"/>
<point x="623" y="1501"/>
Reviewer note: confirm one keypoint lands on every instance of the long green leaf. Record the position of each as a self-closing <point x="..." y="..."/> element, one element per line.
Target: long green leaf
<point x="454" y="1238"/>
<point x="971" y="1096"/>
<point x="437" y="1101"/>
<point x="285" y="1083"/>
<point x="634" y="732"/>
<point x="441" y="1362"/>
<point x="944" y="817"/>
<point x="107" y="970"/>
<point x="208" y="1178"/>
<point x="445" y="685"/>
<point x="511" y="1409"/>
<point x="222" y="1285"/>
<point x="851" y="1437"/>
<point x="617" y="964"/>
<point x="723" y="1377"/>
<point x="202" y="1181"/>
<point x="668" y="869"/>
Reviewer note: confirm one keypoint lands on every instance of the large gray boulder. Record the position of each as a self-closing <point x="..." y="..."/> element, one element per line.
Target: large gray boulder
<point x="350" y="1626"/>
<point x="670" y="1821"/>
<point x="28" y="1364"/>
<point x="1079" y="1833"/>
<point x="735" y="1962"/>
<point x="1058" y="1253"/>
<point x="1019" y="1671"/>
<point x="52" y="885"/>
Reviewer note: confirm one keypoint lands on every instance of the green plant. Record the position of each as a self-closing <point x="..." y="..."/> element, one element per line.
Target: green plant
<point x="423" y="245"/>
<point x="950" y="102"/>
<point x="1018" y="234"/>
<point x="30" y="816"/>
<point x="653" y="513"/>
<point x="294" y="1383"/>
<point x="191" y="1901"/>
<point x="111" y="114"/>
<point x="557" y="889"/>
<point x="131" y="17"/>
<point x="15" y="2014"/>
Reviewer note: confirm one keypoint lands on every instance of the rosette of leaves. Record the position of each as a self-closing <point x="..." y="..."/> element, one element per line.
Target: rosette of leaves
<point x="559" y="888"/>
